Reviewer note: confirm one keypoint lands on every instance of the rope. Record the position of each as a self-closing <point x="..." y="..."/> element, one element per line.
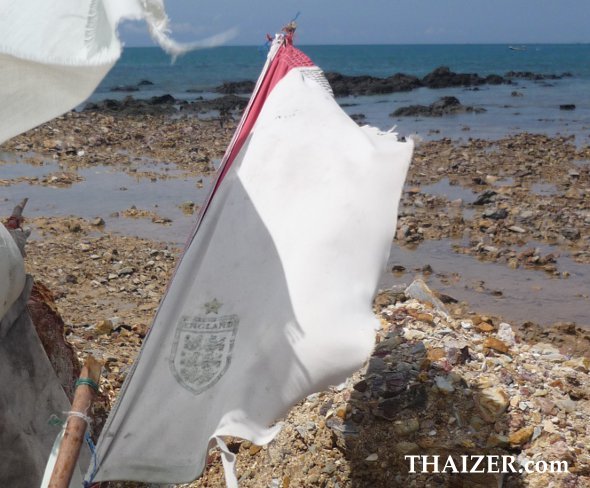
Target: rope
<point x="80" y="415"/>
<point x="88" y="382"/>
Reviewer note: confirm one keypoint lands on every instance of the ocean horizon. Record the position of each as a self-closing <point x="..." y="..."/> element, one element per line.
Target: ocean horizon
<point x="535" y="109"/>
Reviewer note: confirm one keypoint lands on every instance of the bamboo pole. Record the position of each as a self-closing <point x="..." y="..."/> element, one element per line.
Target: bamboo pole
<point x="73" y="438"/>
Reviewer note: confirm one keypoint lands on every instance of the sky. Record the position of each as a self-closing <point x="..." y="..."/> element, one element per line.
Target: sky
<point x="377" y="21"/>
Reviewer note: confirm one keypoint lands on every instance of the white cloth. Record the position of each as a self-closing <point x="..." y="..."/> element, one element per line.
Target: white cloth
<point x="12" y="271"/>
<point x="272" y="298"/>
<point x="54" y="54"/>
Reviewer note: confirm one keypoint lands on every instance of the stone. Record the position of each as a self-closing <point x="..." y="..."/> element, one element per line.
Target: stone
<point x="436" y="353"/>
<point x="414" y="397"/>
<point x="521" y="436"/>
<point x="404" y="448"/>
<point x="516" y="229"/>
<point x="506" y="334"/>
<point x="571" y="233"/>
<point x="485" y="197"/>
<point x="544" y="349"/>
<point x="443" y="106"/>
<point x="497" y="440"/>
<point x="404" y="428"/>
<point x="254" y="449"/>
<point x="418" y="290"/>
<point x="104" y="327"/>
<point x="413" y="335"/>
<point x="443" y="384"/>
<point x="485" y="327"/>
<point x="376" y="365"/>
<point x="372" y="457"/>
<point x="492" y="403"/>
<point x="496" y="345"/>
<point x="235" y="87"/>
<point x="581" y="364"/>
<point x="567" y="404"/>
<point x="549" y="426"/>
<point x="497" y="214"/>
<point x="457" y="356"/>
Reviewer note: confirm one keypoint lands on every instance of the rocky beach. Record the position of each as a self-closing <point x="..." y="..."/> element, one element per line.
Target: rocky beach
<point x="484" y="343"/>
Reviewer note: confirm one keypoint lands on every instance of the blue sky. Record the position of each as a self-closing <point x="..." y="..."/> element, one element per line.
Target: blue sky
<point x="378" y="21"/>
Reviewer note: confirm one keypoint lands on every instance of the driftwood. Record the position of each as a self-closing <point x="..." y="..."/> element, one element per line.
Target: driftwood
<point x="14" y="225"/>
<point x="16" y="220"/>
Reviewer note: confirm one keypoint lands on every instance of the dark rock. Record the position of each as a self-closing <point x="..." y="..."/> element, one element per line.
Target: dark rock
<point x="443" y="106"/>
<point x="571" y="233"/>
<point x="498" y="214"/>
<point x="529" y="75"/>
<point x="516" y="94"/>
<point x="162" y="100"/>
<point x="443" y="77"/>
<point x="145" y="83"/>
<point x="132" y="106"/>
<point x="458" y="356"/>
<point x="395" y="382"/>
<point x="343" y="85"/>
<point x="446" y="299"/>
<point x="494" y="80"/>
<point x="125" y="88"/>
<point x="358" y="117"/>
<point x="376" y="365"/>
<point x="224" y="104"/>
<point x="234" y="87"/>
<point x="415" y="397"/>
<point x="361" y="386"/>
<point x="485" y="197"/>
<point x="412" y="111"/>
<point x="567" y="106"/>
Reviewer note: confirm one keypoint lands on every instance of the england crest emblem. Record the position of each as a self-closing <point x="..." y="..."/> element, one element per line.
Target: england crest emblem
<point x="202" y="349"/>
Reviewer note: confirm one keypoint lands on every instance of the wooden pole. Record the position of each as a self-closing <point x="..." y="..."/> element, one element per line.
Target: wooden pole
<point x="73" y="438"/>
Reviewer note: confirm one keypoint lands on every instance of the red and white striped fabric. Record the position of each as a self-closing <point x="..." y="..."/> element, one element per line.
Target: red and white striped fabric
<point x="272" y="298"/>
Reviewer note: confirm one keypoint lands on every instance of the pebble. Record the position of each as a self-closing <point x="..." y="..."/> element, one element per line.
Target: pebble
<point x="506" y="334"/>
<point x="496" y="345"/>
<point x="404" y="448"/>
<point x="404" y="428"/>
<point x="515" y="228"/>
<point x="521" y="436"/>
<point x="492" y="402"/>
<point x="443" y="384"/>
<point x="104" y="327"/>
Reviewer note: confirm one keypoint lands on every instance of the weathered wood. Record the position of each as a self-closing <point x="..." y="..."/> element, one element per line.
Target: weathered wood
<point x="73" y="438"/>
<point x="16" y="219"/>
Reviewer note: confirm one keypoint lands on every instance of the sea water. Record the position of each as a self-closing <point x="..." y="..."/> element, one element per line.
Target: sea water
<point x="537" y="110"/>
